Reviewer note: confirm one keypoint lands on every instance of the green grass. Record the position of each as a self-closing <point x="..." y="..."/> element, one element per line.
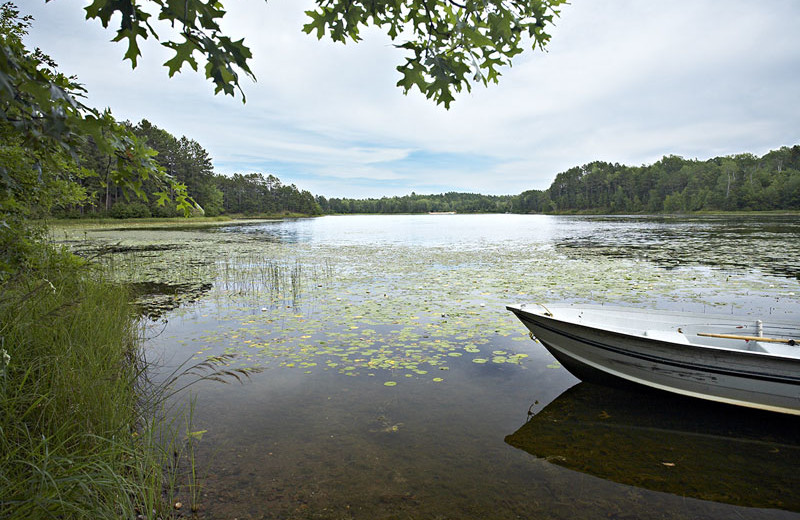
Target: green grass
<point x="133" y="222"/>
<point x="169" y="222"/>
<point x="75" y="439"/>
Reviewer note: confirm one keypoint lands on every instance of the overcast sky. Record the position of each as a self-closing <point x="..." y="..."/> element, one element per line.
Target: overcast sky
<point x="622" y="81"/>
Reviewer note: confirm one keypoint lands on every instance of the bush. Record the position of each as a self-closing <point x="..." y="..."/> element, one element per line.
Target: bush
<point x="129" y="210"/>
<point x="166" y="211"/>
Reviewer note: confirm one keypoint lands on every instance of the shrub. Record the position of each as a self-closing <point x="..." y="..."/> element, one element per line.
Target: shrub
<point x="130" y="210"/>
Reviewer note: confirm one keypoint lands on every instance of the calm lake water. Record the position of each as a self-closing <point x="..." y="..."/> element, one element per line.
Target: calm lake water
<point x="396" y="386"/>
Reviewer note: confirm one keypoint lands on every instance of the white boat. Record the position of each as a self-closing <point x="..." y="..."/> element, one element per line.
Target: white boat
<point x="732" y="360"/>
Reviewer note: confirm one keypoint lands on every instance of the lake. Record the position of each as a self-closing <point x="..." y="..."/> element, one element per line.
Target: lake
<point x="393" y="383"/>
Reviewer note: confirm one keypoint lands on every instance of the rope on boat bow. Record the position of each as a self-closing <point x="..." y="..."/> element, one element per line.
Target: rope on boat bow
<point x="547" y="311"/>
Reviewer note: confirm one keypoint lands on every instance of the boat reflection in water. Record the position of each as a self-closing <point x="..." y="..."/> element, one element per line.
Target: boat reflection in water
<point x="671" y="444"/>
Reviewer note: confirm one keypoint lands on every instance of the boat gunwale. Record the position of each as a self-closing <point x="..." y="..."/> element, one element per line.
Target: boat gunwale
<point x="547" y="315"/>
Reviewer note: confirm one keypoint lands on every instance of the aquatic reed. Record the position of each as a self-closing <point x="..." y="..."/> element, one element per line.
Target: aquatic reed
<point x="67" y="442"/>
<point x="83" y="432"/>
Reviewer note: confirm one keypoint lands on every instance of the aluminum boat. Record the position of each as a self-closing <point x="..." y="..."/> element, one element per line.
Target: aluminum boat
<point x="736" y="360"/>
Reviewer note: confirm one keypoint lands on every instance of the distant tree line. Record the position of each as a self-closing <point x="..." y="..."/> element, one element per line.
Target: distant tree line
<point x="255" y="194"/>
<point x="451" y="201"/>
<point x="190" y="164"/>
<point x="671" y="185"/>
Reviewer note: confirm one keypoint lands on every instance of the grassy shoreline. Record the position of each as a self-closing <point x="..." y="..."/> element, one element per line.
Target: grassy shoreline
<point x="183" y="221"/>
<point x="77" y="439"/>
<point x="201" y="222"/>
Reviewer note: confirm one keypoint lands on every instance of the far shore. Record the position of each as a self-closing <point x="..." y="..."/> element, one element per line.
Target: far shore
<point x="224" y="220"/>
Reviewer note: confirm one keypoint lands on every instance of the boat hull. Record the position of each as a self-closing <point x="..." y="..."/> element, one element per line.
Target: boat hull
<point x="739" y="377"/>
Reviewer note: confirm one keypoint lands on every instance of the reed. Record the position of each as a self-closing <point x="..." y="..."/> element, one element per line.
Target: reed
<point x="75" y="438"/>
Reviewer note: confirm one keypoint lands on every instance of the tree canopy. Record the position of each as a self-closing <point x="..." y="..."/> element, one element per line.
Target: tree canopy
<point x="450" y="43"/>
<point x="674" y="185"/>
<point x="43" y="126"/>
<point x="42" y="111"/>
<point x="671" y="185"/>
<point x="186" y="161"/>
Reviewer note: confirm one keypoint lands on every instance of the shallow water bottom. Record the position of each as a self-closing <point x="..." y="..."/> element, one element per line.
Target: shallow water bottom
<point x="334" y="447"/>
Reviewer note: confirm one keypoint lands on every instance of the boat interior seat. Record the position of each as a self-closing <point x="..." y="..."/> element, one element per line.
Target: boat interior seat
<point x="779" y="349"/>
<point x="757" y="346"/>
<point x="672" y="336"/>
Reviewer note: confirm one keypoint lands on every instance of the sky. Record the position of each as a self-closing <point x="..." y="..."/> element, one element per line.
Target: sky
<point x="623" y="81"/>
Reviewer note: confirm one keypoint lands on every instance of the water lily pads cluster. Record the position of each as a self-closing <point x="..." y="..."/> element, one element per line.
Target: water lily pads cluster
<point x="394" y="310"/>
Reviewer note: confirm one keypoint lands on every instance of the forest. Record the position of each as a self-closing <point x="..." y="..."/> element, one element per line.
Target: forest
<point x="450" y="201"/>
<point x="740" y="182"/>
<point x="186" y="161"/>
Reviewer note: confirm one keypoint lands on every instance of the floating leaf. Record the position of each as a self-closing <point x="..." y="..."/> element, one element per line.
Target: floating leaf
<point x="433" y="313"/>
<point x="198" y="435"/>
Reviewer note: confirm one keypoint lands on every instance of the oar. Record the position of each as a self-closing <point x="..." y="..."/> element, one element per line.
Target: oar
<point x="748" y="338"/>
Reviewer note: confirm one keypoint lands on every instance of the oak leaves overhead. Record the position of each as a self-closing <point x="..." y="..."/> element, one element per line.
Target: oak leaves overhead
<point x="450" y="44"/>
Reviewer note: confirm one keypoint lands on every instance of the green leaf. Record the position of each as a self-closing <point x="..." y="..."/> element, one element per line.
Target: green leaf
<point x="183" y="54"/>
<point x="163" y="198"/>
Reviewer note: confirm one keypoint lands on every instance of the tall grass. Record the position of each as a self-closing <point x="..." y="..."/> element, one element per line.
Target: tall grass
<point x="75" y="441"/>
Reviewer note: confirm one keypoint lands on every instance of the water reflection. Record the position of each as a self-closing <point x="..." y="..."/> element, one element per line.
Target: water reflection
<point x="670" y="444"/>
<point x="469" y="231"/>
<point x="732" y="242"/>
<point x="286" y="231"/>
